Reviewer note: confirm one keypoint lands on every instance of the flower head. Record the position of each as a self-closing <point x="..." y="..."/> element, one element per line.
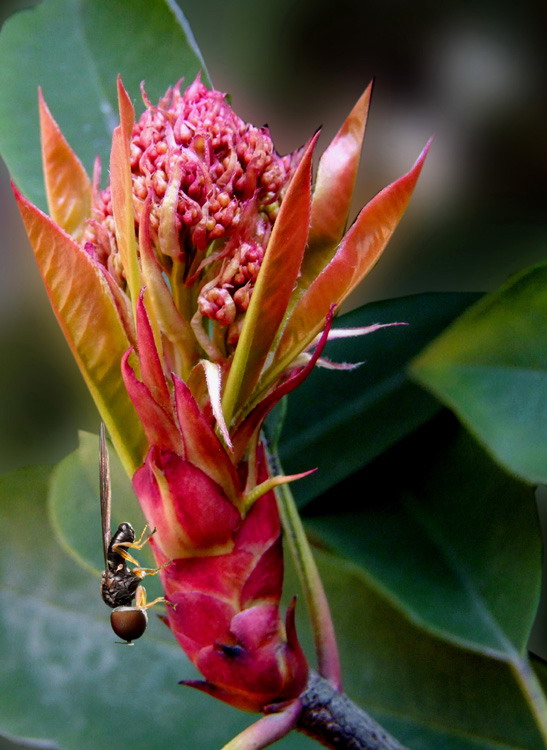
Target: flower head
<point x="209" y="268"/>
<point x="215" y="185"/>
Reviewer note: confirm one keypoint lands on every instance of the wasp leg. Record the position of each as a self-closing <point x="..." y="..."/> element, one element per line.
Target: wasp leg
<point x="141" y="541"/>
<point x="118" y="548"/>
<point x="141" y="603"/>
<point x="121" y="549"/>
<point x="158" y="600"/>
<point x="141" y="572"/>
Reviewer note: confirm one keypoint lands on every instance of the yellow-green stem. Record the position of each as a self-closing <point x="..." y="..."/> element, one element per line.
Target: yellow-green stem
<point x="326" y="648"/>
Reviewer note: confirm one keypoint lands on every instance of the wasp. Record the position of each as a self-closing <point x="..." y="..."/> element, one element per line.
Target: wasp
<point x="120" y="584"/>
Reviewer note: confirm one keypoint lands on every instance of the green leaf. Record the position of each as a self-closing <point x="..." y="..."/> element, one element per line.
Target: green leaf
<point x="540" y="668"/>
<point x="75" y="49"/>
<point x="490" y="367"/>
<point x="434" y="588"/>
<point x="339" y="421"/>
<point x="451" y="539"/>
<point x="62" y="677"/>
<point x="427" y="692"/>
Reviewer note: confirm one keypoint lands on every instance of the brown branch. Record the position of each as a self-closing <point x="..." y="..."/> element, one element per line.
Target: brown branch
<point x="335" y="721"/>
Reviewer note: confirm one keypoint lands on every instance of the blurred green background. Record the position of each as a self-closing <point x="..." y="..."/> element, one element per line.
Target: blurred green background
<point x="472" y="74"/>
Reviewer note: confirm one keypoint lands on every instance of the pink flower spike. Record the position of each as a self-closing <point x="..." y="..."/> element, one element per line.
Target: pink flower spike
<point x="196" y="290"/>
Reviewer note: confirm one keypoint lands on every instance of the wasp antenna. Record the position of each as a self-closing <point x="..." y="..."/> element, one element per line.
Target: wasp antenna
<point x="105" y="492"/>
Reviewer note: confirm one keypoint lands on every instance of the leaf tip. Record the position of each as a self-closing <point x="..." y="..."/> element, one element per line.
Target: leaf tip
<point x="425" y="151"/>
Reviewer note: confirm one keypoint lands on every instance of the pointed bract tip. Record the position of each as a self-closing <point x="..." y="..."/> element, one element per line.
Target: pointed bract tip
<point x="219" y="693"/>
<point x="165" y="621"/>
<point x="364" y="100"/>
<point x="292" y="606"/>
<point x="421" y="158"/>
<point x="122" y="91"/>
<point x="203" y="685"/>
<point x="144" y="96"/>
<point x="285" y="478"/>
<point x="125" y="366"/>
<point x="290" y="624"/>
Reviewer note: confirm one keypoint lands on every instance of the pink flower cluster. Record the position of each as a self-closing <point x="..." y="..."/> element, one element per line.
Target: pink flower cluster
<point x="214" y="179"/>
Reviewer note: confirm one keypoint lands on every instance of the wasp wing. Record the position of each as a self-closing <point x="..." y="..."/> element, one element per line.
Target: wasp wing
<point x="105" y="493"/>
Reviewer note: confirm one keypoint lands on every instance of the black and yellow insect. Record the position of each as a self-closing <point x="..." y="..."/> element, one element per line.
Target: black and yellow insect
<point x="120" y="584"/>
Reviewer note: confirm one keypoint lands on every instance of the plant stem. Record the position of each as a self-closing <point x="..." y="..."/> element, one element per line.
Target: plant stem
<point x="325" y="715"/>
<point x="326" y="648"/>
<point x="329" y="717"/>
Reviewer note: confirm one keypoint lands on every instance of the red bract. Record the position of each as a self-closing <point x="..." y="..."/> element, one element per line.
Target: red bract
<point x="227" y="615"/>
<point x="217" y="521"/>
<point x="193" y="291"/>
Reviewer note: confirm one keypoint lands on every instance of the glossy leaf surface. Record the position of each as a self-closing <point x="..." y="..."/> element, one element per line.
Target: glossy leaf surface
<point x="490" y="367"/>
<point x="444" y="534"/>
<point x="435" y="536"/>
<point x="84" y="45"/>
<point x="428" y="693"/>
<point x="339" y="421"/>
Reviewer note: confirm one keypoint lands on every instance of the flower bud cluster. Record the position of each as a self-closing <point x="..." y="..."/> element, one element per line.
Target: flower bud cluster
<point x="227" y="296"/>
<point x="216" y="180"/>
